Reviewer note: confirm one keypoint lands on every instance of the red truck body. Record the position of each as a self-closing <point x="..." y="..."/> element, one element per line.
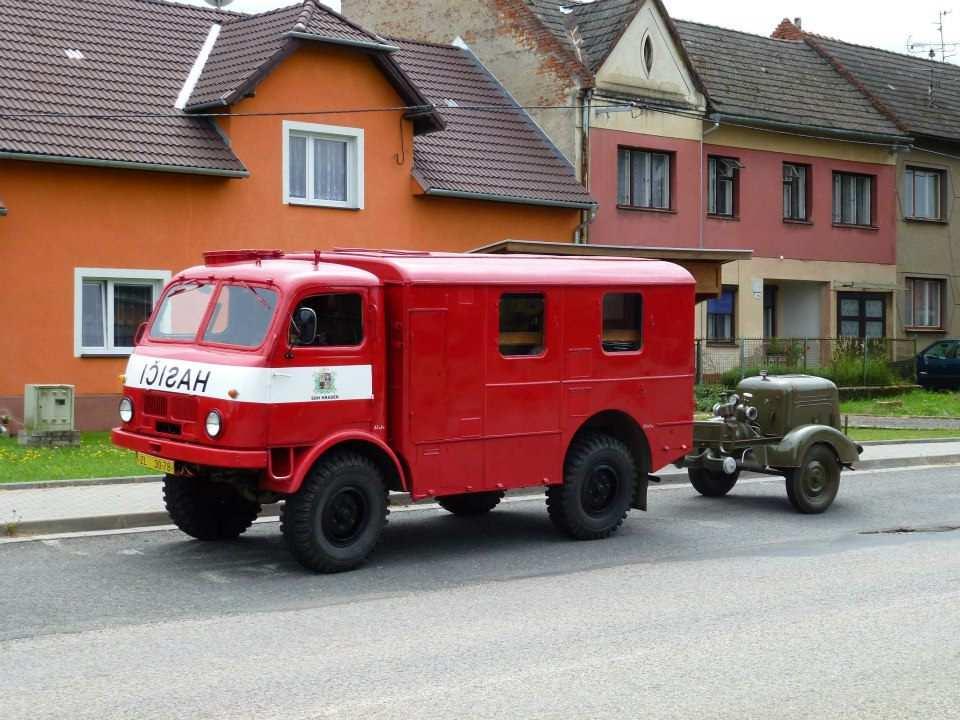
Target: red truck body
<point x="437" y="385"/>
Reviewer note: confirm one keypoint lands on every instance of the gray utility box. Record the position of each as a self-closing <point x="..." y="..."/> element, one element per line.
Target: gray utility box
<point x="48" y="415"/>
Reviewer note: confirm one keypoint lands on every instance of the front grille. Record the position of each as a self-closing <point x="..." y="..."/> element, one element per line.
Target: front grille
<point x="155" y="405"/>
<point x="183" y="408"/>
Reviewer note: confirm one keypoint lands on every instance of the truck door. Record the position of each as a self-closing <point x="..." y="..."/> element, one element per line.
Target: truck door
<point x="325" y="382"/>
<point x="522" y="391"/>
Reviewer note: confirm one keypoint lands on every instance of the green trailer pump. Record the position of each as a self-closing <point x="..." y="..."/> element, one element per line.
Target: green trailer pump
<point x="787" y="425"/>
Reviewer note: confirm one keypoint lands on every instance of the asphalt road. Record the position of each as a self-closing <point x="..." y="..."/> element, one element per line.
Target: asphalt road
<point x="733" y="608"/>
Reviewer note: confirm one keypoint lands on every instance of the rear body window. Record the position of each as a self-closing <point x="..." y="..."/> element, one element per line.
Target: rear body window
<point x="522" y="324"/>
<point x="622" y="322"/>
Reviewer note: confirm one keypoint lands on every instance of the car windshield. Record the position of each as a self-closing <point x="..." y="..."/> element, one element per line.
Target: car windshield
<point x="182" y="311"/>
<point x="241" y="315"/>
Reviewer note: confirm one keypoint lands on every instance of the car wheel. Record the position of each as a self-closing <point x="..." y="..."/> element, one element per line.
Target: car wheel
<point x="334" y="521"/>
<point x="599" y="482"/>
<point x="813" y="486"/>
<point x="712" y="484"/>
<point x="470" y="504"/>
<point x="207" y="510"/>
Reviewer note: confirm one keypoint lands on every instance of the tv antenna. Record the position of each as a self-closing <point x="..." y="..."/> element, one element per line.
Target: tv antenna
<point x="218" y="4"/>
<point x="932" y="48"/>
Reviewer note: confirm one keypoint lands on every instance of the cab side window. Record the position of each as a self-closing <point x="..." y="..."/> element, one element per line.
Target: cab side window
<point x="522" y="324"/>
<point x="339" y="319"/>
<point x="622" y="322"/>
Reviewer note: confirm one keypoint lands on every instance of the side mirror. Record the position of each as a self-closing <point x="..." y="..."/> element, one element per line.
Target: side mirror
<point x="303" y="327"/>
<point x="138" y="335"/>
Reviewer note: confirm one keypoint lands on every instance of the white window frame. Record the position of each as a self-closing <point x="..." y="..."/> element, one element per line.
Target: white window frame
<point x="910" y="314"/>
<point x="111" y="276"/>
<point x="355" y="181"/>
<point x="910" y="189"/>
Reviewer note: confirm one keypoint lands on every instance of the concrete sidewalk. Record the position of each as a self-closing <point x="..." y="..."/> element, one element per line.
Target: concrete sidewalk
<point x="94" y="506"/>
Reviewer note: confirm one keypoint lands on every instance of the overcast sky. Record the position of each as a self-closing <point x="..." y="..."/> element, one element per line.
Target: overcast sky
<point x="860" y="21"/>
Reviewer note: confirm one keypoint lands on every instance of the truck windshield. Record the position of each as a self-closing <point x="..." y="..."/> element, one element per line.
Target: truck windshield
<point x="182" y="312"/>
<point x="241" y="316"/>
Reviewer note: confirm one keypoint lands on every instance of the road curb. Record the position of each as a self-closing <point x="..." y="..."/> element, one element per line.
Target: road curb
<point x="129" y="521"/>
<point x="93" y="482"/>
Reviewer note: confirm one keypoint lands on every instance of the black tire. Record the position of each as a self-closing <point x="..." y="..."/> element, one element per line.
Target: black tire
<point x="598" y="487"/>
<point x="208" y="510"/>
<point x="812" y="487"/>
<point x="470" y="504"/>
<point x="335" y="520"/>
<point x="712" y="484"/>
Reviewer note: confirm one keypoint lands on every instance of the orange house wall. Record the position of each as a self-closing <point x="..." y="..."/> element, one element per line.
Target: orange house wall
<point x="67" y="216"/>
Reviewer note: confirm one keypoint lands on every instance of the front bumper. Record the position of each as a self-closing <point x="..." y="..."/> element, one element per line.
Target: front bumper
<point x="190" y="453"/>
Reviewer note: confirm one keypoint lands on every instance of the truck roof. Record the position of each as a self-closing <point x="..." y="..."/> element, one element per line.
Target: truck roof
<point x="369" y="267"/>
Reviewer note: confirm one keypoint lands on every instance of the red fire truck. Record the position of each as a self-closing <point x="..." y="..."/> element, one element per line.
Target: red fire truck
<point x="326" y="380"/>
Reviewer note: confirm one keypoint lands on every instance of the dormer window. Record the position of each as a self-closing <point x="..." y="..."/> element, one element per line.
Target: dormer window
<point x="648" y="54"/>
<point x="322" y="165"/>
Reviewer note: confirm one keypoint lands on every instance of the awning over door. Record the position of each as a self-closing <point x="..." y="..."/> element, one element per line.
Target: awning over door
<point x="704" y="265"/>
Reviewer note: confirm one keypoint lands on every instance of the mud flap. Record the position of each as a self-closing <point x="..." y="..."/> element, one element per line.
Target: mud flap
<point x="640" y="491"/>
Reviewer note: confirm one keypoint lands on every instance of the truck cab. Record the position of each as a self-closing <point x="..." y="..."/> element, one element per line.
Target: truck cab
<point x="326" y="380"/>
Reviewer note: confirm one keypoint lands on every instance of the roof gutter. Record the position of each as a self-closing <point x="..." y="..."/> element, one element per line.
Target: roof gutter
<point x="124" y="165"/>
<point x="824" y="132"/>
<point x="368" y="45"/>
<point x="508" y="199"/>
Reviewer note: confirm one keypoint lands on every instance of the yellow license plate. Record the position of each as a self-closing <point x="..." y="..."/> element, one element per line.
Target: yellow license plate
<point x="154" y="463"/>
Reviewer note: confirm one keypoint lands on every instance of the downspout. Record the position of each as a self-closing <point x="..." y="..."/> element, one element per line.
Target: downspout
<point x="582" y="233"/>
<point x="702" y="190"/>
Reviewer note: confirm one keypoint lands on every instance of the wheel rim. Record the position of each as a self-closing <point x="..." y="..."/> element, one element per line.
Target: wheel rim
<point x="815" y="480"/>
<point x="600" y="490"/>
<point x="345" y="516"/>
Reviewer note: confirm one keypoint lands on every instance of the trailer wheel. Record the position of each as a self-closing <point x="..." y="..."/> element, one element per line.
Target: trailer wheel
<point x="470" y="503"/>
<point x="335" y="520"/>
<point x="712" y="484"/>
<point x="207" y="510"/>
<point x="597" y="491"/>
<point x="812" y="487"/>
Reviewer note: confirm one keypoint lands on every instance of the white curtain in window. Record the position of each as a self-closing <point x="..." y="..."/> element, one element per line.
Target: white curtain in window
<point x="623" y="177"/>
<point x="660" y="181"/>
<point x="298" y="167"/>
<point x="863" y="200"/>
<point x="640" y="170"/>
<point x="93" y="320"/>
<point x="329" y="170"/>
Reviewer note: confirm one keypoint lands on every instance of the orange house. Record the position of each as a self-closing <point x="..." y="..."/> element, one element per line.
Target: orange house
<point x="126" y="153"/>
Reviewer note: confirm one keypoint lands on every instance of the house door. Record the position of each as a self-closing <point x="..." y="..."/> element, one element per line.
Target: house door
<point x="861" y="315"/>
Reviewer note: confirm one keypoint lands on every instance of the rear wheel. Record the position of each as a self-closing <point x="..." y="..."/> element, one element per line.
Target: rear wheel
<point x="470" y="503"/>
<point x="598" y="487"/>
<point x="207" y="510"/>
<point x="712" y="484"/>
<point x="812" y="487"/>
<point x="335" y="520"/>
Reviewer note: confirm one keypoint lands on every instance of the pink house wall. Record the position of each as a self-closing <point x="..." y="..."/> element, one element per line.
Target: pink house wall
<point x="760" y="226"/>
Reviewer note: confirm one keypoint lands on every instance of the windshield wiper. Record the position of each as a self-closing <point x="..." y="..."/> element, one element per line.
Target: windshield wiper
<point x="252" y="289"/>
<point x="186" y="287"/>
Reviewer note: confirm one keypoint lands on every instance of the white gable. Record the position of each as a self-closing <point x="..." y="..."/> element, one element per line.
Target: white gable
<point x="647" y="39"/>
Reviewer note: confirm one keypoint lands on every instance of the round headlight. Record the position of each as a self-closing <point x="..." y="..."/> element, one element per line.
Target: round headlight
<point x="126" y="409"/>
<point x="214" y="423"/>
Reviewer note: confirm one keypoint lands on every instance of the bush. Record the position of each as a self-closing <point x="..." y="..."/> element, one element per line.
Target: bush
<point x="706" y="396"/>
<point x="844" y="371"/>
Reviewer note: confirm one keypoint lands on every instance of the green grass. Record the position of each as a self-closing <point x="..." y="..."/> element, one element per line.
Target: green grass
<point x="915" y="402"/>
<point x="95" y="457"/>
<point x="863" y="434"/>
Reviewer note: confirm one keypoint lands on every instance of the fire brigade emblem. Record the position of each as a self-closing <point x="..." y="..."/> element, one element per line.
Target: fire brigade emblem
<point x="324" y="385"/>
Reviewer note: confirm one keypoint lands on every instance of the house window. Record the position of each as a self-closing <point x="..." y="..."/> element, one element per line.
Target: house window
<point x="924" y="303"/>
<point x="922" y="193"/>
<point x="795" y="192"/>
<point x="861" y="315"/>
<point x="721" y="316"/>
<point x="644" y="179"/>
<point x="622" y="322"/>
<point x="723" y="186"/>
<point x="852" y="199"/>
<point x="323" y="165"/>
<point x="521" y="324"/>
<point x="109" y="306"/>
<point x="769" y="311"/>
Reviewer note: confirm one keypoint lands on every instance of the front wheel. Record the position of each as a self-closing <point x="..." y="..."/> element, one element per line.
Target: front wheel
<point x="812" y="487"/>
<point x="335" y="520"/>
<point x="207" y="510"/>
<point x="712" y="484"/>
<point x="598" y="487"/>
<point x="470" y="503"/>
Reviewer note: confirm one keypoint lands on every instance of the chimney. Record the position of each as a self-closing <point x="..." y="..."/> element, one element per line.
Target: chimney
<point x="787" y="30"/>
<point x="798" y="23"/>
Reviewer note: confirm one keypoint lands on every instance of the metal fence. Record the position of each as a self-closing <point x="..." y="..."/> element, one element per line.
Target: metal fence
<point x="849" y="362"/>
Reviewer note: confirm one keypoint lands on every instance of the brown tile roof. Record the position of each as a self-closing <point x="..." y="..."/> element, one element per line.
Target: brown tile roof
<point x="135" y="55"/>
<point x="128" y="56"/>
<point x="490" y="148"/>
